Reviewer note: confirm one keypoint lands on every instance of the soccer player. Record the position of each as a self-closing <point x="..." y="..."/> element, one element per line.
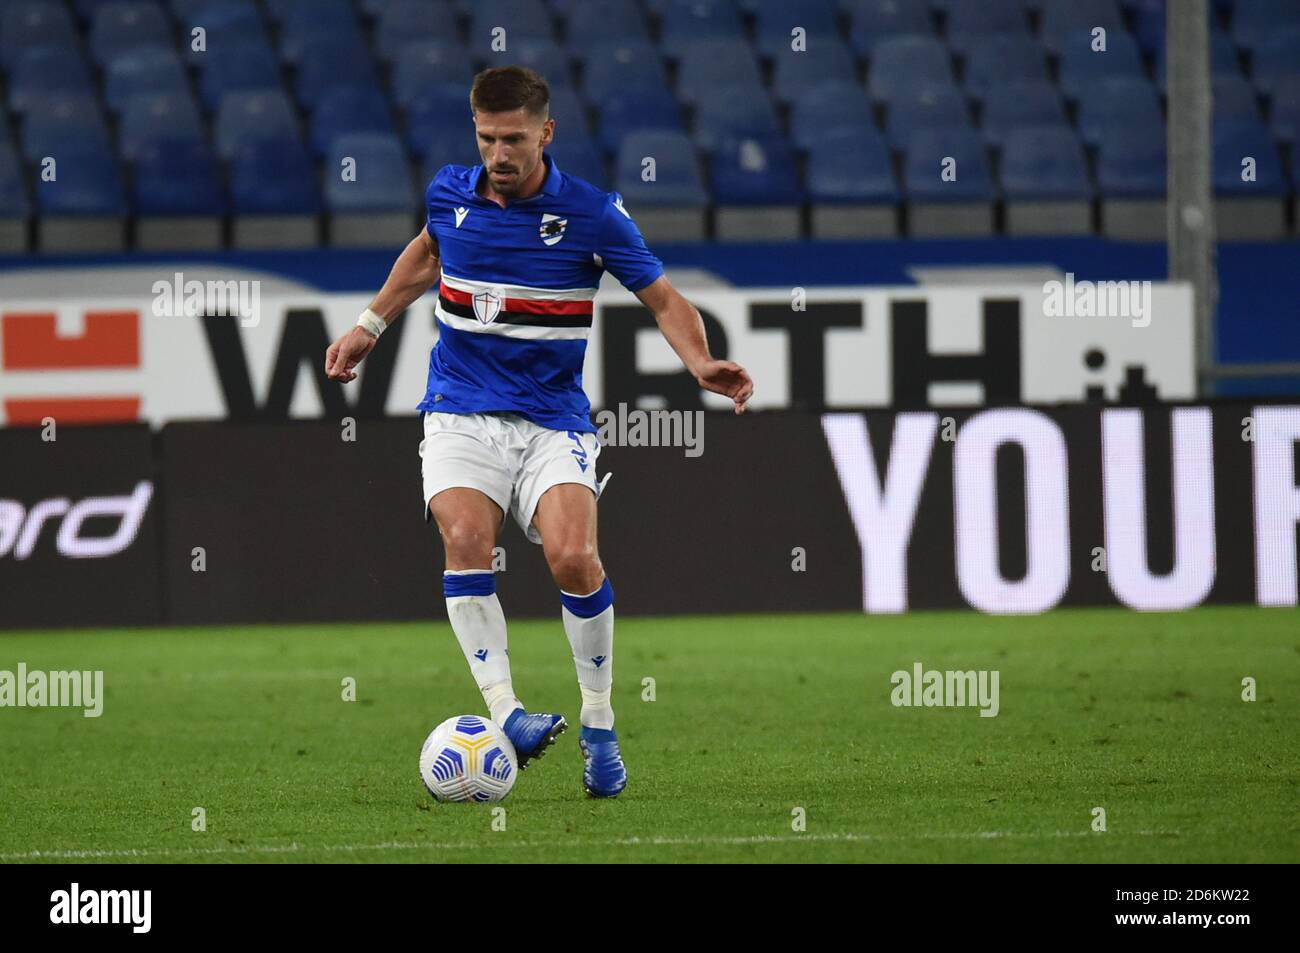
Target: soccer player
<point x="518" y="248"/>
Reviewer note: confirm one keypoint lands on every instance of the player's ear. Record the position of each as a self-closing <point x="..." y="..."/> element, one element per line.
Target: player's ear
<point x="548" y="132"/>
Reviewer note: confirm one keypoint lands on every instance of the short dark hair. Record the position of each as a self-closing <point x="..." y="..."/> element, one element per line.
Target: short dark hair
<point x="504" y="89"/>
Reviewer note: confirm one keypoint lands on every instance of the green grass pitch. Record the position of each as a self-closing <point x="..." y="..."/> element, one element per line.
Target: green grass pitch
<point x="752" y="717"/>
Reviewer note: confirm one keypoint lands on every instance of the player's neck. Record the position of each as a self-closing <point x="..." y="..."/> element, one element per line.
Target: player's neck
<point x="532" y="185"/>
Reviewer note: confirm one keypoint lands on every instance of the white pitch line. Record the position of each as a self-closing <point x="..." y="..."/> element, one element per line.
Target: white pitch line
<point x="295" y="848"/>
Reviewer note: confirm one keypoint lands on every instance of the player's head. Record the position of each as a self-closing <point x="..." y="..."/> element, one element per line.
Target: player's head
<point x="511" y="108"/>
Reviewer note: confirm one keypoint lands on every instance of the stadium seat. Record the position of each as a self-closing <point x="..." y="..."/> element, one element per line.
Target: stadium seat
<point x="949" y="189"/>
<point x="730" y="112"/>
<point x="441" y="111"/>
<point x="226" y="28"/>
<point x="686" y="23"/>
<point x="150" y="117"/>
<point x="427" y="63"/>
<point x="375" y="210"/>
<point x="57" y="120"/>
<point x="827" y="108"/>
<point x="705" y="65"/>
<point x="84" y="209"/>
<point x="1045" y="181"/>
<point x="302" y="35"/>
<point x="900" y="62"/>
<point x="1285" y="111"/>
<point x="592" y="23"/>
<point x="15" y="206"/>
<point x="349" y="110"/>
<point x="330" y="64"/>
<point x="448" y="150"/>
<point x="1081" y="67"/>
<point x="774" y="21"/>
<point x="756" y="191"/>
<point x="669" y="207"/>
<point x="47" y="69"/>
<point x="519" y="18"/>
<point x="1131" y="177"/>
<point x="1071" y="22"/>
<point x="242" y="69"/>
<point x="143" y="70"/>
<point x="827" y="58"/>
<point x="650" y="107"/>
<point x="1250" y="187"/>
<point x="580" y="156"/>
<point x="870" y="21"/>
<point x="542" y="55"/>
<point x="1224" y="59"/>
<point x="410" y="21"/>
<point x="989" y="59"/>
<point x="254" y="115"/>
<point x="630" y="64"/>
<point x="1255" y="21"/>
<point x="1018" y="103"/>
<point x="177" y="196"/>
<point x="851" y="185"/>
<point x="968" y="18"/>
<point x="1119" y="104"/>
<point x="1275" y="57"/>
<point x="1234" y="98"/>
<point x="126" y="25"/>
<point x="275" y="196"/>
<point x="925" y="106"/>
<point x="30" y="23"/>
<point x="567" y="108"/>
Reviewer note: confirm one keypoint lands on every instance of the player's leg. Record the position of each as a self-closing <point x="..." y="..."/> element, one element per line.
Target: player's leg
<point x="566" y="521"/>
<point x="467" y="484"/>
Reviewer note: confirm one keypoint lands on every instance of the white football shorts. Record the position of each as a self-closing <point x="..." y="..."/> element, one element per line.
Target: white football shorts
<point x="506" y="456"/>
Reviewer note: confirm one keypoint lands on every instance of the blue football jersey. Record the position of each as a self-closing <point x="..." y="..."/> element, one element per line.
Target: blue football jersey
<point x="515" y="301"/>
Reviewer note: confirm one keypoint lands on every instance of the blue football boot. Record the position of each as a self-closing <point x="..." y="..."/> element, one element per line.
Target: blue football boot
<point x="604" y="774"/>
<point x="532" y="734"/>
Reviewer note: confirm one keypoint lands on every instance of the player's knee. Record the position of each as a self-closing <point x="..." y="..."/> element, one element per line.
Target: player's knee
<point x="575" y="567"/>
<point x="468" y="543"/>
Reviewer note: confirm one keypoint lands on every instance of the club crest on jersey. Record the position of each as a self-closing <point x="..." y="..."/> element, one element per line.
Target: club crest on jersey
<point x="552" y="229"/>
<point x="487" y="305"/>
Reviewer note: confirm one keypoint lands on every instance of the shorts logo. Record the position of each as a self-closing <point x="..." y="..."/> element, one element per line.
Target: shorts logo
<point x="552" y="228"/>
<point x="487" y="305"/>
<point x="580" y="454"/>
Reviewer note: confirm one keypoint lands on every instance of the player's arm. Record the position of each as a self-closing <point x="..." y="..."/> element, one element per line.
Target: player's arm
<point x="416" y="270"/>
<point x="683" y="328"/>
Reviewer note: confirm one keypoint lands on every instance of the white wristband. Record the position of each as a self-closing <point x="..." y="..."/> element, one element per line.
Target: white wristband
<point x="372" y="322"/>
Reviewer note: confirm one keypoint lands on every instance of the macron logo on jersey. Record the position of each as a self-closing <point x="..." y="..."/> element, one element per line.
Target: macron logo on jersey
<point x="460" y="215"/>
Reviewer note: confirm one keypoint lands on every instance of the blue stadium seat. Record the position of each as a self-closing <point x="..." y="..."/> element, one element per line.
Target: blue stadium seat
<point x="143" y="70"/>
<point x="1275" y="57"/>
<point x="830" y="108"/>
<point x="775" y="19"/>
<point x="1068" y="22"/>
<point x="542" y="55"/>
<point x="226" y="28"/>
<point x="1131" y="162"/>
<point x="986" y="17"/>
<point x="252" y="115"/>
<point x="1237" y="140"/>
<point x="872" y="20"/>
<point x="1254" y="21"/>
<point x="651" y="107"/>
<point x="677" y="173"/>
<point x="851" y="166"/>
<point x="899" y="62"/>
<point x="520" y="19"/>
<point x="47" y="69"/>
<point x="55" y="120"/>
<point x="581" y="157"/>
<point x="383" y="178"/>
<point x="1116" y="104"/>
<point x="439" y="113"/>
<point x="177" y="177"/>
<point x="346" y="110"/>
<point x="409" y="21"/>
<point x="630" y="64"/>
<point x="590" y="23"/>
<point x="253" y="68"/>
<point x="1234" y="98"/>
<point x="302" y="35"/>
<point x="926" y="107"/>
<point x="427" y="63"/>
<point x="1018" y="103"/>
<point x="568" y="109"/>
<point x="732" y="112"/>
<point x="826" y="59"/>
<point x="705" y="65"/>
<point x="126" y="25"/>
<point x="1082" y="67"/>
<point x="150" y="117"/>
<point x="14" y="203"/>
<point x="448" y="150"/>
<point x="1224" y="59"/>
<point x="271" y="177"/>
<point x="1044" y="162"/>
<point x="31" y="23"/>
<point x="923" y="160"/>
<point x="756" y="171"/>
<point x="1285" y="111"/>
<point x="989" y="59"/>
<point x="330" y="64"/>
<point x="686" y="23"/>
<point x="89" y="183"/>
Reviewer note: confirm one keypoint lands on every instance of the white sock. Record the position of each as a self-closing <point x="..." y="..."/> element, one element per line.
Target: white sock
<point x="589" y="624"/>
<point x="480" y="627"/>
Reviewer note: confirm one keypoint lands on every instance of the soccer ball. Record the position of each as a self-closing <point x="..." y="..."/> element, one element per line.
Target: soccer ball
<point x="468" y="758"/>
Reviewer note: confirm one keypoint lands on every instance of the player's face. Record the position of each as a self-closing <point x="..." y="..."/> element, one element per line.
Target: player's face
<point x="511" y="145"/>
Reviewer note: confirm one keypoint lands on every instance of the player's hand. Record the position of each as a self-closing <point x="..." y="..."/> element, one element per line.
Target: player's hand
<point x="729" y="378"/>
<point x="346" y="353"/>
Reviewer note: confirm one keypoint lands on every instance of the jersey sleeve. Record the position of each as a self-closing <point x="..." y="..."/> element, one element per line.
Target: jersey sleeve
<point x="432" y="202"/>
<point x="622" y="250"/>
